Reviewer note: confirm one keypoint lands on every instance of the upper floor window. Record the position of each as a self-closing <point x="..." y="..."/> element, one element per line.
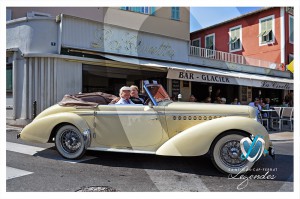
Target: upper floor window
<point x="235" y="39"/>
<point x="196" y="42"/>
<point x="210" y="44"/>
<point x="210" y="41"/>
<point x="291" y="29"/>
<point x="175" y="15"/>
<point x="143" y="10"/>
<point x="266" y="30"/>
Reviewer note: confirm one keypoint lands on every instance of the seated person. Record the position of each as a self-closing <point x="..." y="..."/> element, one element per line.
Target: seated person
<point x="256" y="105"/>
<point x="134" y="97"/>
<point x="125" y="95"/>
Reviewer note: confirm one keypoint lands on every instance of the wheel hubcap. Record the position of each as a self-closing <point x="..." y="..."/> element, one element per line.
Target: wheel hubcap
<point x="70" y="141"/>
<point x="230" y="154"/>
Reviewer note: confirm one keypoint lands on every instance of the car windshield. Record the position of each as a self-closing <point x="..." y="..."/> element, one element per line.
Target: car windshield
<point x="158" y="92"/>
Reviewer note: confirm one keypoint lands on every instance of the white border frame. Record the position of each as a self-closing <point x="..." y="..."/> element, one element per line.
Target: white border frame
<point x="241" y="36"/>
<point x="273" y="30"/>
<point x="190" y="195"/>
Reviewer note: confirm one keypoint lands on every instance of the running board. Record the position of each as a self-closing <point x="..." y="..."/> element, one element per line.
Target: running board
<point x="120" y="150"/>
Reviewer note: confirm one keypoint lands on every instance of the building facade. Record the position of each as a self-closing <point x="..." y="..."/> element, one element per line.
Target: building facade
<point x="51" y="54"/>
<point x="266" y="34"/>
<point x="56" y="51"/>
<point x="263" y="38"/>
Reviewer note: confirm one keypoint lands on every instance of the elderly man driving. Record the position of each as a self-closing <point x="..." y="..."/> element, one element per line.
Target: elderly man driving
<point x="125" y="95"/>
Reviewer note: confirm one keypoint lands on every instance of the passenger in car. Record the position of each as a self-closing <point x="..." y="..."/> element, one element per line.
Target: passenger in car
<point x="125" y="95"/>
<point x="134" y="95"/>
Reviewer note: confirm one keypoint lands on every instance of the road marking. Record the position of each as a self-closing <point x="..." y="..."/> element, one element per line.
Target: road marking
<point x="24" y="149"/>
<point x="41" y="152"/>
<point x="15" y="173"/>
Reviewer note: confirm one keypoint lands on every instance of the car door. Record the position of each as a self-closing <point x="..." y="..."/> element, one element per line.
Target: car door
<point x="128" y="126"/>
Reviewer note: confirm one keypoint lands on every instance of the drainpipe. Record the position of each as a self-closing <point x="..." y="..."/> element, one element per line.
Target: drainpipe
<point x="282" y="36"/>
<point x="59" y="20"/>
<point x="14" y="68"/>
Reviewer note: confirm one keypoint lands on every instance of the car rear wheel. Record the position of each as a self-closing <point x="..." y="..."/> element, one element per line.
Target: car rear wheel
<point x="69" y="142"/>
<point x="226" y="153"/>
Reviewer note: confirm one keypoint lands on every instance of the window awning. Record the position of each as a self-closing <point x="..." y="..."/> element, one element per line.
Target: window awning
<point x="210" y="75"/>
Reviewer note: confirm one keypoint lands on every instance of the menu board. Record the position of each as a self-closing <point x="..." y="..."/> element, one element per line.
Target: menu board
<point x="175" y="87"/>
<point x="244" y="94"/>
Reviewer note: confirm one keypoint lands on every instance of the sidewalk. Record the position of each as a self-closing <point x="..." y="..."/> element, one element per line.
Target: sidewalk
<point x="281" y="136"/>
<point x="13" y="128"/>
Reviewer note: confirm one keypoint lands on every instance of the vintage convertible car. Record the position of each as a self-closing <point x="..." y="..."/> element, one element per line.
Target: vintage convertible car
<point x="160" y="127"/>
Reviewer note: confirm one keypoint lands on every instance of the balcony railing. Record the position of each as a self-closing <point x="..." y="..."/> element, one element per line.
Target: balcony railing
<point x="233" y="58"/>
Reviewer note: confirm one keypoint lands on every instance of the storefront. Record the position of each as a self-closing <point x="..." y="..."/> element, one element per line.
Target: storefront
<point x="78" y="55"/>
<point x="206" y="82"/>
<point x="111" y="79"/>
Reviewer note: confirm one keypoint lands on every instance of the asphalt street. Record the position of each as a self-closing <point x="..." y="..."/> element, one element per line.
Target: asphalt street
<point x="39" y="168"/>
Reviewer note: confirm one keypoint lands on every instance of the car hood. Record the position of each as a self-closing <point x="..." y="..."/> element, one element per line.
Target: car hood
<point x="226" y="109"/>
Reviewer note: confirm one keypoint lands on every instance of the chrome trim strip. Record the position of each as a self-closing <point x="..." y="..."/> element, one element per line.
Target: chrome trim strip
<point x="167" y="114"/>
<point x="84" y="114"/>
<point x="87" y="138"/>
<point x="127" y="114"/>
<point x="203" y="114"/>
<point x="120" y="150"/>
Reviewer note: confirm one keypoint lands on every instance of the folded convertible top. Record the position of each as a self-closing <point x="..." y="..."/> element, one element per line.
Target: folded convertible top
<point x="87" y="99"/>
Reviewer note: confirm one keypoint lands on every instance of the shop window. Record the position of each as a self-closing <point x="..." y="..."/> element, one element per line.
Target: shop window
<point x="210" y="45"/>
<point x="291" y="29"/>
<point x="266" y="30"/>
<point x="9" y="77"/>
<point x="196" y="43"/>
<point x="143" y="10"/>
<point x="175" y="13"/>
<point x="235" y="39"/>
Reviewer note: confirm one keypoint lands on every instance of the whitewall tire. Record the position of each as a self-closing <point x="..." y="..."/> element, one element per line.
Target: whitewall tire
<point x="226" y="153"/>
<point x="69" y="142"/>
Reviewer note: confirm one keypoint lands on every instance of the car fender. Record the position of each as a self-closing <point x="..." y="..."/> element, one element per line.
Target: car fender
<point x="197" y="140"/>
<point x="39" y="130"/>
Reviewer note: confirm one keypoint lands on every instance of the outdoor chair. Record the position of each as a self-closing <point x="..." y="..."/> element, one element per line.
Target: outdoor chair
<point x="287" y="114"/>
<point x="263" y="119"/>
<point x="275" y="117"/>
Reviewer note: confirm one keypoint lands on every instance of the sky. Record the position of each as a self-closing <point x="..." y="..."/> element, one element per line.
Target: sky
<point x="202" y="17"/>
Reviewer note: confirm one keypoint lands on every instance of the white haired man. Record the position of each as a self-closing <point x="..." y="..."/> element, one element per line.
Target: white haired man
<point x="125" y="95"/>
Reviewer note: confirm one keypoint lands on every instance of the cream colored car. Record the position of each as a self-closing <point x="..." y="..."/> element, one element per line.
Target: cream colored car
<point x="160" y="127"/>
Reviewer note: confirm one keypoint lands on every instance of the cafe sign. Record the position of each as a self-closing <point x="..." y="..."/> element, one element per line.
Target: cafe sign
<point x="100" y="37"/>
<point x="221" y="79"/>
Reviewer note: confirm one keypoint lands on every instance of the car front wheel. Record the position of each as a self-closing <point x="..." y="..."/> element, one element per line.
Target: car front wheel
<point x="226" y="153"/>
<point x="69" y="142"/>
